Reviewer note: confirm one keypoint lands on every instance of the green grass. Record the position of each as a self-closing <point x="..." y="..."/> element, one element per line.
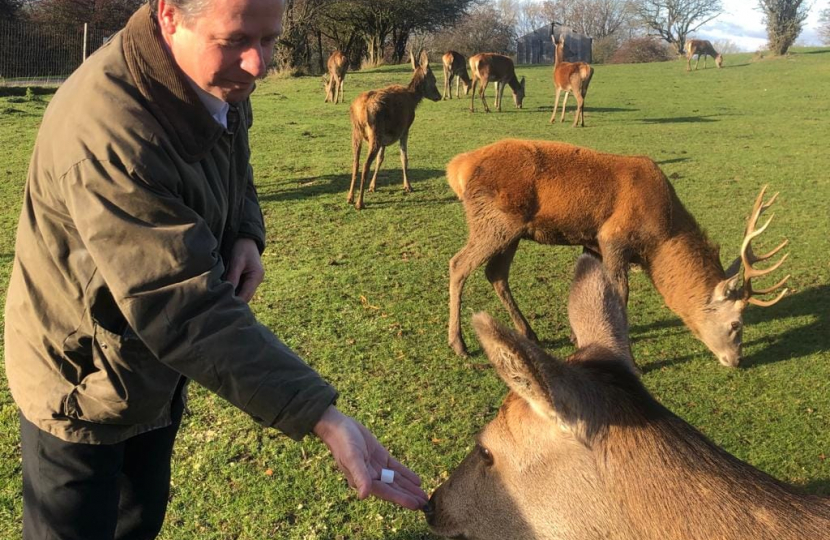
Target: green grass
<point x="363" y="295"/>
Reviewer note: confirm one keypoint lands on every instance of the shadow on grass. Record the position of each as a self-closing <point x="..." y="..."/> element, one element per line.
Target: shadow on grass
<point x="798" y="342"/>
<point x="678" y="120"/>
<point x="412" y="535"/>
<point x="672" y="160"/>
<point x="817" y="487"/>
<point x="339" y="183"/>
<point x="730" y="66"/>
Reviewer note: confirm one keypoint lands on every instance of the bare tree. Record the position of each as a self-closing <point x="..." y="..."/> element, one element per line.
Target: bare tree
<point x="824" y="26"/>
<point x="784" y="20"/>
<point x="673" y="20"/>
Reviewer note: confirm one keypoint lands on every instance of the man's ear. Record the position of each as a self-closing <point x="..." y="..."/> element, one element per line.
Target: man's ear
<point x="169" y="17"/>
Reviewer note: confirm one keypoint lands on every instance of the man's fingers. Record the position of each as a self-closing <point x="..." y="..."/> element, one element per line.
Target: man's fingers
<point x="397" y="495"/>
<point x="403" y="470"/>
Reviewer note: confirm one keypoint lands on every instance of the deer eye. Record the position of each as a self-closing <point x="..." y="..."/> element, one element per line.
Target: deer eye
<point x="736" y="326"/>
<point x="485" y="455"/>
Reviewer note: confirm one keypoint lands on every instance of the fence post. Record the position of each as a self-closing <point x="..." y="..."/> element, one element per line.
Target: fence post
<point x="85" y="41"/>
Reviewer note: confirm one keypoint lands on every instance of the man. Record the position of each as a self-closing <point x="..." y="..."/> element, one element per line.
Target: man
<point x="138" y="249"/>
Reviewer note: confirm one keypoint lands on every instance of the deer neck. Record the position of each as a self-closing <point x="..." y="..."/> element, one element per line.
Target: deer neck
<point x="557" y="56"/>
<point x="513" y="82"/>
<point x="416" y="87"/>
<point x="656" y="494"/>
<point x="685" y="268"/>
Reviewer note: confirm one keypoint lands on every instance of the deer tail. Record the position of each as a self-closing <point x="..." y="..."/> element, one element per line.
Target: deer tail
<point x="458" y="174"/>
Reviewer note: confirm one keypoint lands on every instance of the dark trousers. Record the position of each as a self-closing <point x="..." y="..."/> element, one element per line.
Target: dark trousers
<point x="75" y="491"/>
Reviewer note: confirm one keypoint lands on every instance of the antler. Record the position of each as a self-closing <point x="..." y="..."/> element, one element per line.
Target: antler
<point x="749" y="258"/>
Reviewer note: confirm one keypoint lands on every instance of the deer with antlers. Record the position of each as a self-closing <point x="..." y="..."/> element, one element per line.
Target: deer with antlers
<point x="570" y="77"/>
<point x="620" y="207"/>
<point x="382" y="117"/>
<point x="337" y="66"/>
<point x="487" y="67"/>
<point x="701" y="47"/>
<point x="455" y="67"/>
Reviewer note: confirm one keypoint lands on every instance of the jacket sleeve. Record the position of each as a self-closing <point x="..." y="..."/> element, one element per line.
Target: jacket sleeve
<point x="252" y="225"/>
<point x="161" y="263"/>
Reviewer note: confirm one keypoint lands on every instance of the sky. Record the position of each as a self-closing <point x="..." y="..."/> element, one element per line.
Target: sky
<point x="743" y="24"/>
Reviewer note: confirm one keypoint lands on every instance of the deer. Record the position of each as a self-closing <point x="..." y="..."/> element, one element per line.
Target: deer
<point x="486" y="67"/>
<point x="337" y="65"/>
<point x="455" y="67"/>
<point x="570" y="77"/>
<point x="701" y="47"/>
<point x="621" y="207"/>
<point x="382" y="117"/>
<point x="580" y="450"/>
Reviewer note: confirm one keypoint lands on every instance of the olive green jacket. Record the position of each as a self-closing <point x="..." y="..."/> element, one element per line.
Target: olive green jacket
<point x="134" y="198"/>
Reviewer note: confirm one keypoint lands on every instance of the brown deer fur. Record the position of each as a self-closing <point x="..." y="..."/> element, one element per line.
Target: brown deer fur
<point x="701" y="47"/>
<point x="570" y="77"/>
<point x="382" y="117"/>
<point x="337" y="66"/>
<point x="581" y="451"/>
<point x="455" y="67"/>
<point x="497" y="68"/>
<point x="621" y="207"/>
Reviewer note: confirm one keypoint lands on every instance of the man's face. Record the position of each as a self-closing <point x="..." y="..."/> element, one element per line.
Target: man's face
<point x="227" y="46"/>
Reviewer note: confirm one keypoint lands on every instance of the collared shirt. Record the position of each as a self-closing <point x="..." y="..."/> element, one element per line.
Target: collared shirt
<point x="217" y="108"/>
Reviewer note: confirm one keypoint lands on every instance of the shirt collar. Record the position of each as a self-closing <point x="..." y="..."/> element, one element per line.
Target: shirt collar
<point x="217" y="108"/>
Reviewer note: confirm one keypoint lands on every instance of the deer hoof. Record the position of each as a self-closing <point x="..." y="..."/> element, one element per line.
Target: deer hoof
<point x="460" y="349"/>
<point x="359" y="205"/>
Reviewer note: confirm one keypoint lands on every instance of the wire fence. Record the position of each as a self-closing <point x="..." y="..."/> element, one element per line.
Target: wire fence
<point x="38" y="54"/>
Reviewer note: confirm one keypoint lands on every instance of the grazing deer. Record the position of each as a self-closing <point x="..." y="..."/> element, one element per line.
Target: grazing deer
<point x="621" y="207"/>
<point x="570" y="77"/>
<point x="487" y="67"/>
<point x="701" y="47"/>
<point x="384" y="116"/>
<point x="455" y="67"/>
<point x="580" y="450"/>
<point x="337" y="65"/>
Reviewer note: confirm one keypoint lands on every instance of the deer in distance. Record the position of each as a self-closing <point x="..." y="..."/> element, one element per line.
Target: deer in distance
<point x="622" y="208"/>
<point x="570" y="77"/>
<point x="497" y="68"/>
<point x="455" y="67"/>
<point x="337" y="66"/>
<point x="382" y="117"/>
<point x="580" y="450"/>
<point x="701" y="47"/>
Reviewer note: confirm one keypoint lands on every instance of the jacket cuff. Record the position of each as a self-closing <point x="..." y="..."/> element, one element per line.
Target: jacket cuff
<point x="294" y="415"/>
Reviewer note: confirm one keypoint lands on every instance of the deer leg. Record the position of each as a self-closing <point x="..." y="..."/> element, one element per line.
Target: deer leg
<point x="698" y="62"/>
<point x="378" y="163"/>
<point x="357" y="142"/>
<point x="374" y="148"/>
<point x="473" y="95"/>
<point x="555" y="105"/>
<point x="578" y="116"/>
<point x="564" y="105"/>
<point x="497" y="272"/>
<point x="407" y="187"/>
<point x="501" y="94"/>
<point x="481" y="93"/>
<point x="689" y="62"/>
<point x="447" y="85"/>
<point x="471" y="256"/>
<point x="457" y="88"/>
<point x="705" y="57"/>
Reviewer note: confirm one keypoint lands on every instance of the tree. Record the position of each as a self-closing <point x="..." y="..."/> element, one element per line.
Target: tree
<point x="9" y="9"/>
<point x="595" y="18"/>
<point x="824" y="26"/>
<point x="784" y="20"/>
<point x="674" y="20"/>
<point x="484" y="29"/>
<point x="108" y="14"/>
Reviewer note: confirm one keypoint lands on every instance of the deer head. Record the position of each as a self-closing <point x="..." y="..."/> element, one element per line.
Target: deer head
<point x="427" y="85"/>
<point x="533" y="469"/>
<point x="519" y="95"/>
<point x="719" y="60"/>
<point x="721" y="326"/>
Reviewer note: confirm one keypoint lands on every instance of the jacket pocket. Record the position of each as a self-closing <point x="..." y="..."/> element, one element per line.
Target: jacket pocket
<point x="127" y="386"/>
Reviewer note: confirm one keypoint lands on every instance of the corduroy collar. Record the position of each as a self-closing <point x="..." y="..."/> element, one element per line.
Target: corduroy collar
<point x="170" y="98"/>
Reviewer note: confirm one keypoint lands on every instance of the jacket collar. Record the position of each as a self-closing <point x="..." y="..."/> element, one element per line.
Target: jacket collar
<point x="170" y="98"/>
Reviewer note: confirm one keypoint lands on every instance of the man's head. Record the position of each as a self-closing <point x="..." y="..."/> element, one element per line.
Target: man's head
<point x="222" y="45"/>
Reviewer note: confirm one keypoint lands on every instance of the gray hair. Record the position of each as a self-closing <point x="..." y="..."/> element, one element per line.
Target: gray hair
<point x="191" y="9"/>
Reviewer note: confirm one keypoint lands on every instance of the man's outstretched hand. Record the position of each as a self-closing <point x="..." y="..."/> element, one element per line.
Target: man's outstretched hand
<point x="361" y="457"/>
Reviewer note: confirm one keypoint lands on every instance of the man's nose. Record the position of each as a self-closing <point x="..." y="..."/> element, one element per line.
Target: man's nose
<point x="253" y="61"/>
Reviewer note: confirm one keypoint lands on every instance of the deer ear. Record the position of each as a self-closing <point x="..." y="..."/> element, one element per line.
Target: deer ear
<point x="412" y="59"/>
<point x="596" y="311"/>
<point x="728" y="289"/>
<point x="424" y="60"/>
<point x="517" y="361"/>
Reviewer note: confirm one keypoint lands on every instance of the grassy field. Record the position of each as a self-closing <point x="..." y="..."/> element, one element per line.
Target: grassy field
<point x="363" y="295"/>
